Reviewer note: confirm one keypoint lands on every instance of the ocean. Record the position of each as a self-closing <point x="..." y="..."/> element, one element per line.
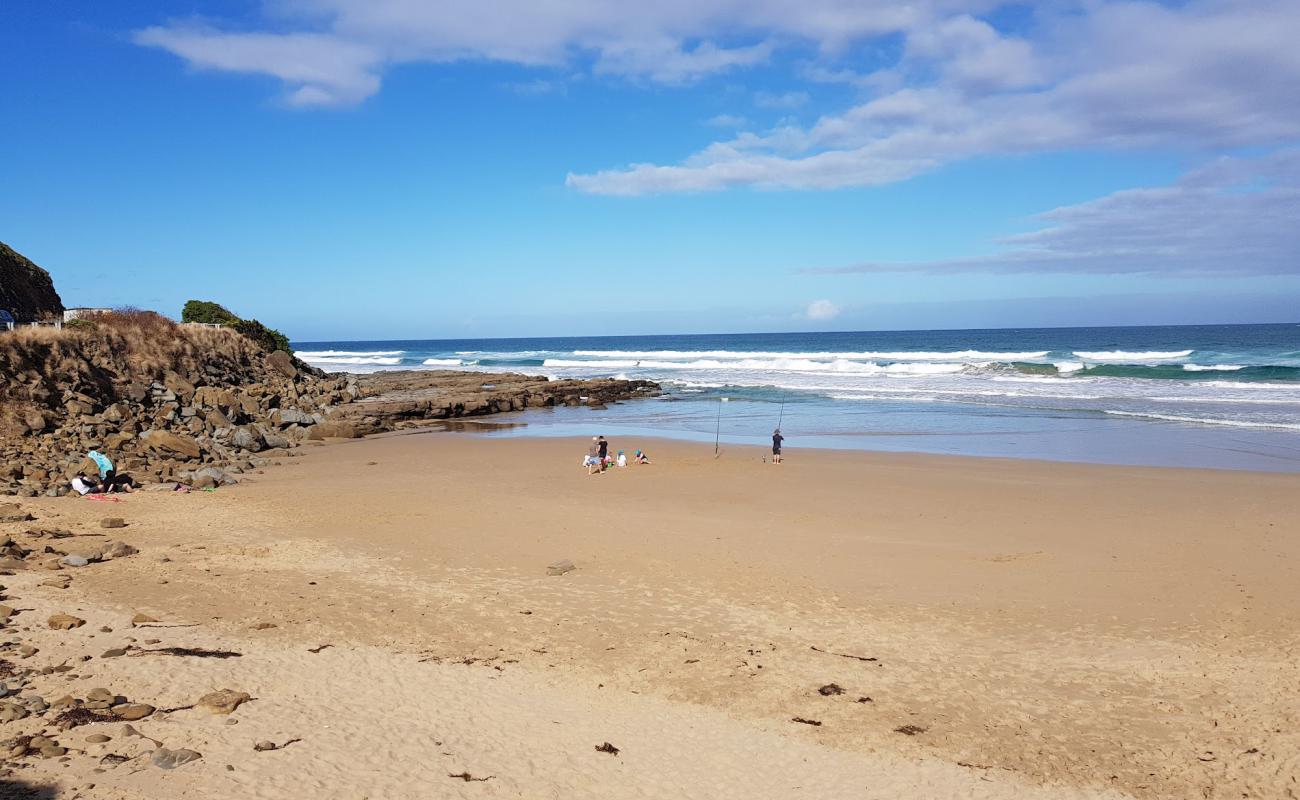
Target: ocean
<point x="1222" y="396"/>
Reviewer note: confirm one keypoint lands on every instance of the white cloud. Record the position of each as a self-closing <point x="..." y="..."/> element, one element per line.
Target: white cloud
<point x="334" y="52"/>
<point x="785" y="100"/>
<point x="317" y="69"/>
<point x="822" y="310"/>
<point x="1206" y="76"/>
<point x="726" y="121"/>
<point x="1233" y="217"/>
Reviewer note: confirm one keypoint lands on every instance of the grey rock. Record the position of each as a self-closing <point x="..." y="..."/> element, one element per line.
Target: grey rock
<point x="73" y="560"/>
<point x="164" y="758"/>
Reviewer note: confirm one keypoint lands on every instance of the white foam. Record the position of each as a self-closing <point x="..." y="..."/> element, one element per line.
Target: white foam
<point x="442" y="362"/>
<point x="1132" y="357"/>
<point x="902" y="355"/>
<point x="1233" y="423"/>
<point x="356" y="360"/>
<point x="1068" y="366"/>
<point x="840" y="366"/>
<point x="309" y="354"/>
<point x="1213" y="367"/>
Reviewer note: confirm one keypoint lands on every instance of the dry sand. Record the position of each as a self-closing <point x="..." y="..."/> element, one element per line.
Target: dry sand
<point x="1046" y="630"/>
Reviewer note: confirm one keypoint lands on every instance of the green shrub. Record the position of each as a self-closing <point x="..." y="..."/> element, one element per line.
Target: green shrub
<point x="208" y="313"/>
<point x="268" y="339"/>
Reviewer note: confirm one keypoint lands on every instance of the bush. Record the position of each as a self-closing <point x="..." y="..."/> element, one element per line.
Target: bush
<point x="208" y="313"/>
<point x="268" y="339"/>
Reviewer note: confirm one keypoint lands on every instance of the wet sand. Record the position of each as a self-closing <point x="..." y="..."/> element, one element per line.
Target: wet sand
<point x="982" y="628"/>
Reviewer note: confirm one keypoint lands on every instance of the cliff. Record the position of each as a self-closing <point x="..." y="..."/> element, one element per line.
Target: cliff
<point x="26" y="290"/>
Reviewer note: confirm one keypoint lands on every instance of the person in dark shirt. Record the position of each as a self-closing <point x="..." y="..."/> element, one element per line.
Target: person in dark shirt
<point x="604" y="449"/>
<point x="777" y="438"/>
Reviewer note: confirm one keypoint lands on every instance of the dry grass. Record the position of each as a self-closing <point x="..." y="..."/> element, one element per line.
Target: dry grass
<point x="128" y="345"/>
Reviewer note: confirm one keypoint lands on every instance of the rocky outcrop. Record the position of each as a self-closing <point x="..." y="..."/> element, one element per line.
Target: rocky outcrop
<point x="390" y="399"/>
<point x="203" y="406"/>
<point x="26" y="290"/>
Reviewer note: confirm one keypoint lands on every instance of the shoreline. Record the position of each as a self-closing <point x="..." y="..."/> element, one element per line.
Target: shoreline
<point x="1037" y="653"/>
<point x="520" y="425"/>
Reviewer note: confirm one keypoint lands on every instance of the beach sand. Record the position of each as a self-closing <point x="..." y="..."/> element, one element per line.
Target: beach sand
<point x="983" y="628"/>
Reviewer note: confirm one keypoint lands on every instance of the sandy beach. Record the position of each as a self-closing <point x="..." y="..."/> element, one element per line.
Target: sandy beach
<point x="844" y="625"/>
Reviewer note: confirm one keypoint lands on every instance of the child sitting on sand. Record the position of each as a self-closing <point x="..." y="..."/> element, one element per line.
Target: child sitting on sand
<point x="642" y="458"/>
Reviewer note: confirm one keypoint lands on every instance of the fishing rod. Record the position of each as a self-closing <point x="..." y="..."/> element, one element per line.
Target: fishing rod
<point x="781" y="415"/>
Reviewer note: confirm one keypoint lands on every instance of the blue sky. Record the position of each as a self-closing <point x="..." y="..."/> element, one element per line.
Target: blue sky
<point x="397" y="169"/>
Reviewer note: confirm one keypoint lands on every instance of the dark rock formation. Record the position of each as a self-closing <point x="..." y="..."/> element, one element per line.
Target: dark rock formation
<point x="387" y="399"/>
<point x="26" y="290"/>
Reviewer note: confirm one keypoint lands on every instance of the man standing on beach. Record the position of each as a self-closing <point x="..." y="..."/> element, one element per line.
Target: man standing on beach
<point x="604" y="448"/>
<point x="777" y="438"/>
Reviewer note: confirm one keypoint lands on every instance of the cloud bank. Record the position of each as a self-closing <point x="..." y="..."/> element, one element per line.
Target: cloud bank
<point x="1202" y="77"/>
<point x="1234" y="217"/>
<point x="335" y="52"/>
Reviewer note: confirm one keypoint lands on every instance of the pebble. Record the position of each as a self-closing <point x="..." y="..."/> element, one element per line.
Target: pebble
<point x="171" y="759"/>
<point x="7" y="611"/>
<point x="142" y="619"/>
<point x="222" y="702"/>
<point x="560" y="567"/>
<point x="65" y="622"/>
<point x="112" y="522"/>
<point x="132" y="711"/>
<point x="11" y="711"/>
<point x="98" y="738"/>
<point x="74" y="561"/>
<point x="114" y="652"/>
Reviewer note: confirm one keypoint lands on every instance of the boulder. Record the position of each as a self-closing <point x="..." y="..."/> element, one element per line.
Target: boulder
<point x="282" y="363"/>
<point x="217" y="476"/>
<point x="334" y="430"/>
<point x="247" y="437"/>
<point x="35" y="421"/>
<point x="275" y="440"/>
<point x="172" y="443"/>
<point x="284" y="417"/>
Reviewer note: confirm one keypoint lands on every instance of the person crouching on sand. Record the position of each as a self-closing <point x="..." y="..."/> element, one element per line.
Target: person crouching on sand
<point x="642" y="458"/>
<point x="108" y="477"/>
<point x="777" y="438"/>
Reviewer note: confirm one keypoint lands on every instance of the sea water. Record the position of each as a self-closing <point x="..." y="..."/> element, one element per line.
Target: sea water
<point x="1205" y="396"/>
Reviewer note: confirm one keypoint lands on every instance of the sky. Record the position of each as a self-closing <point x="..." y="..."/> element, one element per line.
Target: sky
<point x="391" y="169"/>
